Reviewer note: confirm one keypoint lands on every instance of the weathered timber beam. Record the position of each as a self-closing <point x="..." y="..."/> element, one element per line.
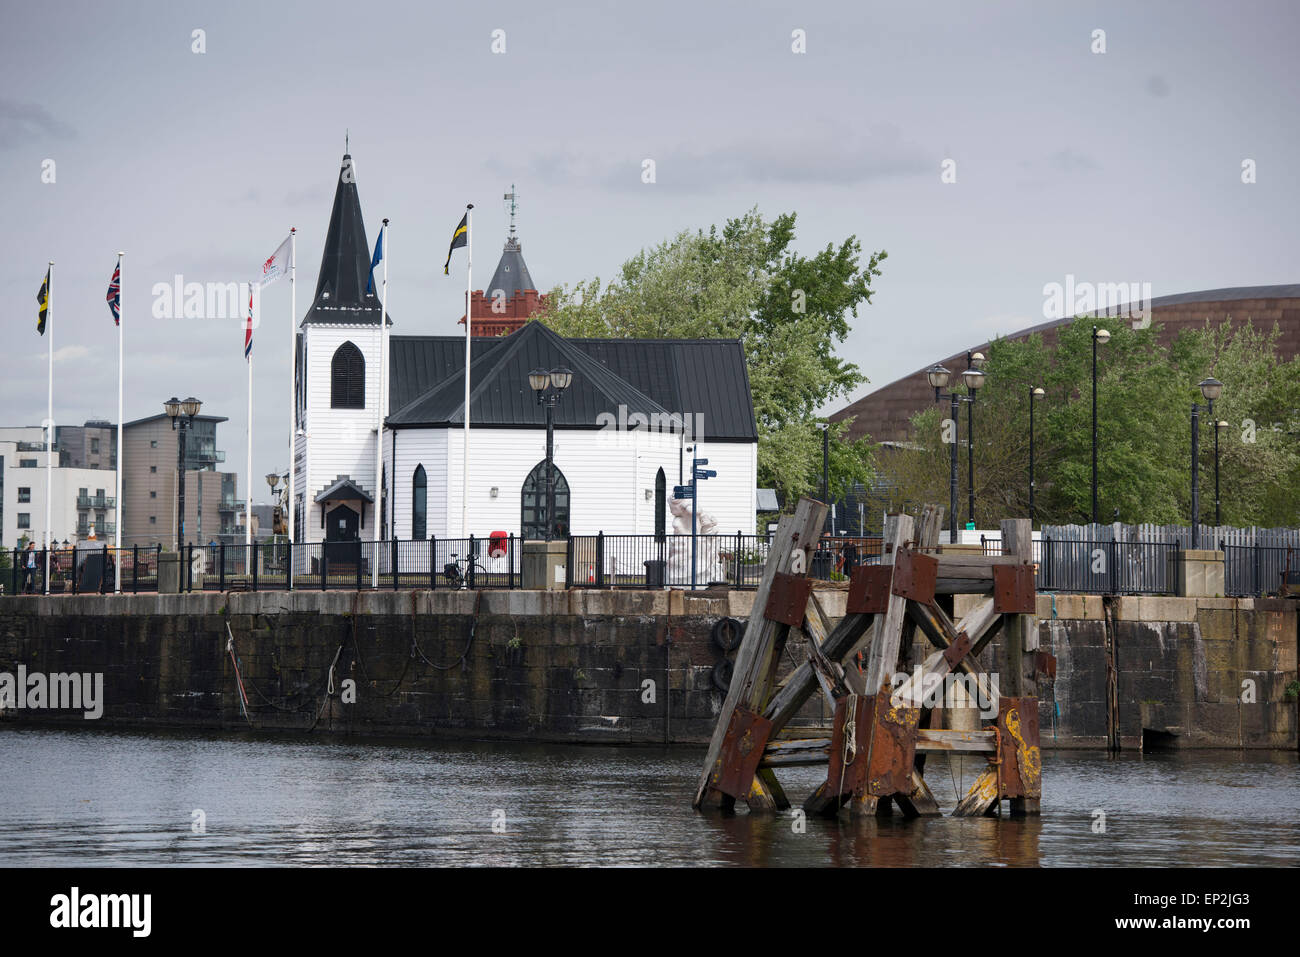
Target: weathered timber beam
<point x="883" y="657"/>
<point x="764" y="639"/>
<point x="816" y="750"/>
<point x="920" y="802"/>
<point x="963" y="586"/>
<point x="849" y="635"/>
<point x="1020" y="636"/>
<point x="980" y="626"/>
<point x="981" y="797"/>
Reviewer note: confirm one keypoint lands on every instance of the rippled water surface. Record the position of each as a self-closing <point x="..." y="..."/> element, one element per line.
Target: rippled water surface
<point x="91" y="798"/>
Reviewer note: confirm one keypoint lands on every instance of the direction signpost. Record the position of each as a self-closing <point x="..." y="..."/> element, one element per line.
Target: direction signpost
<point x="690" y="491"/>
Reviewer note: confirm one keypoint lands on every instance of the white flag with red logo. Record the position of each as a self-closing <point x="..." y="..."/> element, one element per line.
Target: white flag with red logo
<point x="275" y="267"/>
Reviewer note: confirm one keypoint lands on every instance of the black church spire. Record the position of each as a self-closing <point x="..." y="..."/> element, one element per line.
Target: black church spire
<point x="341" y="295"/>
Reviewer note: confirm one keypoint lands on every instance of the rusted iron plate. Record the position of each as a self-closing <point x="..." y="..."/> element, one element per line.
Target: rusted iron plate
<point x="742" y="749"/>
<point x="915" y="575"/>
<point x="958" y="650"/>
<point x="1022" y="762"/>
<point x="1045" y="664"/>
<point x="787" y="599"/>
<point x="869" y="590"/>
<point x="850" y="778"/>
<point x="893" y="748"/>
<point x="1014" y="592"/>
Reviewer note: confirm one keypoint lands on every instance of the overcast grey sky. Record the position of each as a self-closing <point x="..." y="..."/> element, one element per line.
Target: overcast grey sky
<point x="1122" y="166"/>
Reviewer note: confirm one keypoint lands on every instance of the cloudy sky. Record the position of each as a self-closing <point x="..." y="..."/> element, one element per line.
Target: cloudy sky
<point x="1122" y="166"/>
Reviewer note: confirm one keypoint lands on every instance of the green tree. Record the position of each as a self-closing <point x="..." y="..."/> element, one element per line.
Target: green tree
<point x="744" y="281"/>
<point x="1144" y="397"/>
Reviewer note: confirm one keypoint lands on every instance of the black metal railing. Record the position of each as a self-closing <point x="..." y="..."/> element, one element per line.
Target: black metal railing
<point x="1253" y="570"/>
<point x="593" y="561"/>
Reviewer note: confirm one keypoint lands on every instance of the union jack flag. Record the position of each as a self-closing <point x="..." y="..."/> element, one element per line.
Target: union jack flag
<point x="115" y="295"/>
<point x="248" y="326"/>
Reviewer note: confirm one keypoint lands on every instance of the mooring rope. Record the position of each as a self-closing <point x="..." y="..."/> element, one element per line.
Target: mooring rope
<point x="239" y="681"/>
<point x="361" y="661"/>
<point x="849" y="747"/>
<point x="473" y="625"/>
<point x="329" y="689"/>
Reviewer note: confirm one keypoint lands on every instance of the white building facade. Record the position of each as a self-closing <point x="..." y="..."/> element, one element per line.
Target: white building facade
<point x="80" y="497"/>
<point x="625" y="429"/>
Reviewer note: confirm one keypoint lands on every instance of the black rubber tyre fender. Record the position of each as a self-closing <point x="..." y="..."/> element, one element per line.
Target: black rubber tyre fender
<point x="727" y="634"/>
<point x="722" y="673"/>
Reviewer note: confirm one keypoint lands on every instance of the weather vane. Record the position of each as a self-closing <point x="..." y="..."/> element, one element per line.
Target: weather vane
<point x="511" y="197"/>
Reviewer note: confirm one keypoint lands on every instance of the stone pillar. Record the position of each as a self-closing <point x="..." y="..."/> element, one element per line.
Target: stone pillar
<point x="1196" y="573"/>
<point x="543" y="565"/>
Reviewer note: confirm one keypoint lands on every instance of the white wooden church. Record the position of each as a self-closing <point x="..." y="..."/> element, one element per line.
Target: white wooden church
<point x="623" y="429"/>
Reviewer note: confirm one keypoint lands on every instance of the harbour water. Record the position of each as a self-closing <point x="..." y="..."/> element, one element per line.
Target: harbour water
<point x="124" y="799"/>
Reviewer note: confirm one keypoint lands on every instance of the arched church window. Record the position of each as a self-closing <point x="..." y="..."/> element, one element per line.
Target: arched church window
<point x="348" y="378"/>
<point x="661" y="506"/>
<point x="419" y="503"/>
<point x="534" y="520"/>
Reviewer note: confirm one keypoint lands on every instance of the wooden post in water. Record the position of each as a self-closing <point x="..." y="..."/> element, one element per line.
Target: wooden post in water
<point x="880" y="735"/>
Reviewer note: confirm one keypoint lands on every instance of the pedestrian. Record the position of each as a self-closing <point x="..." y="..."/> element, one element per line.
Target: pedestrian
<point x="850" y="553"/>
<point x="29" y="566"/>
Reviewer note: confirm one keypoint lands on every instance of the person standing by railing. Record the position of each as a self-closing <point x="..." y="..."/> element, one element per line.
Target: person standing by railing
<point x="29" y="568"/>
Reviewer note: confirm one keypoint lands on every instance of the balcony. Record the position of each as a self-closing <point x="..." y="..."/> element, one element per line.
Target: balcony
<point x="31" y="446"/>
<point x="229" y="504"/>
<point x="101" y="530"/>
<point x="96" y="501"/>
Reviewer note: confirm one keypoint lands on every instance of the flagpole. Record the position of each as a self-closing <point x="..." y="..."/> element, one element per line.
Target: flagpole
<point x="293" y="390"/>
<point x="469" y="299"/>
<point x="49" y="424"/>
<point x="248" y="496"/>
<point x="379" y="405"/>
<point x="117" y="510"/>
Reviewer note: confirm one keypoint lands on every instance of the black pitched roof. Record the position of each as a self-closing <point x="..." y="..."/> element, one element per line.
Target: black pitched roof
<point x="419" y="363"/>
<point x="705" y="376"/>
<point x="511" y="275"/>
<point x="341" y="295"/>
<point x="500" y="395"/>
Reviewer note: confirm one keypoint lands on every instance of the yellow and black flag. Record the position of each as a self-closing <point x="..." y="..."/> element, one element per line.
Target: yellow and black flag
<point x="43" y="297"/>
<point x="459" y="238"/>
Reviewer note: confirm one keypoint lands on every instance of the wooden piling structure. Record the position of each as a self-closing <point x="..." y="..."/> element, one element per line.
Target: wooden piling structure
<point x="875" y="756"/>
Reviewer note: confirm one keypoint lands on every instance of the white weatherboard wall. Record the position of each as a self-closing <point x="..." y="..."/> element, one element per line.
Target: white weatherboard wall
<point x="608" y="474"/>
<point x="339" y="441"/>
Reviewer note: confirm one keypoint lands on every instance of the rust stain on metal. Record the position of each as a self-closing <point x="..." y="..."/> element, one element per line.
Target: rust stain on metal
<point x="787" y="599"/>
<point x="893" y="748"/>
<point x="869" y="590"/>
<point x="1021" y="762"/>
<point x="742" y="750"/>
<point x="850" y="778"/>
<point x="915" y="575"/>
<point x="958" y="650"/>
<point x="1014" y="591"/>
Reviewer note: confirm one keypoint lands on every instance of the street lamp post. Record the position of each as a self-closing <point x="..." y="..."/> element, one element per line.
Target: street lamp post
<point x="973" y="378"/>
<point x="549" y="386"/>
<point x="1219" y="428"/>
<point x="1035" y="393"/>
<point x="1099" y="337"/>
<point x="1211" y="388"/>
<point x="938" y="377"/>
<point x="182" y="413"/>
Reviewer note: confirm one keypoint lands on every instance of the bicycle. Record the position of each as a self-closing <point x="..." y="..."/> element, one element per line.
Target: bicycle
<point x="456" y="578"/>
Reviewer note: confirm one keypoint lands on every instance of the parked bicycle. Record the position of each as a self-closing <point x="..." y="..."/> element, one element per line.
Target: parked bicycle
<point x="458" y="578"/>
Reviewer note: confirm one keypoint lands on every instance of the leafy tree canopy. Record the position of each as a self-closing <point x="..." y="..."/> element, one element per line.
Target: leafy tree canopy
<point x="744" y="281"/>
<point x="1145" y="393"/>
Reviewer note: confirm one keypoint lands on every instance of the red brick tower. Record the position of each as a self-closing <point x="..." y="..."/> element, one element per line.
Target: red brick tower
<point x="511" y="296"/>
